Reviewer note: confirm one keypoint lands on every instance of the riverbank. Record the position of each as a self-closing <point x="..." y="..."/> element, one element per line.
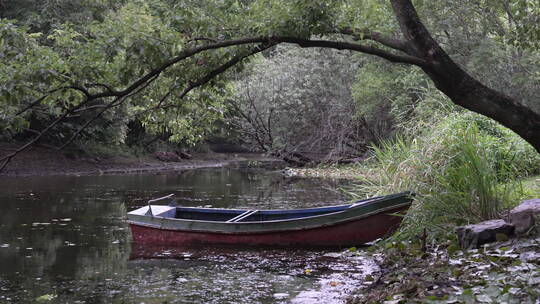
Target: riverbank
<point x="42" y="161"/>
<point x="507" y="272"/>
<point x="413" y="272"/>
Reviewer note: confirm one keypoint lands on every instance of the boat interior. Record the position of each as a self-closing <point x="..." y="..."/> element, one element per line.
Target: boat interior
<point x="242" y="216"/>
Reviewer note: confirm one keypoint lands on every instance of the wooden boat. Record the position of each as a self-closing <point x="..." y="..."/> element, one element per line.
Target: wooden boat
<point x="334" y="226"/>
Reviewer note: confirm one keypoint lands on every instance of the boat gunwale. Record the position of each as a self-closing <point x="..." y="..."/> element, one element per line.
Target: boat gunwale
<point x="293" y="228"/>
<point x="279" y="211"/>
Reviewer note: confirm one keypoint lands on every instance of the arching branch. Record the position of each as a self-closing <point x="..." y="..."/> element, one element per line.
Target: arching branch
<point x="272" y="40"/>
<point x="342" y="45"/>
<point x="366" y="34"/>
<point x="266" y="42"/>
<point x="211" y="75"/>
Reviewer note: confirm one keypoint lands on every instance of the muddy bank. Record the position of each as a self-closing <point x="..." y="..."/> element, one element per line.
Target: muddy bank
<point x="44" y="161"/>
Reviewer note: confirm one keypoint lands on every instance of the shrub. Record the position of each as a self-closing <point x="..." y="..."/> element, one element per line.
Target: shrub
<point x="464" y="169"/>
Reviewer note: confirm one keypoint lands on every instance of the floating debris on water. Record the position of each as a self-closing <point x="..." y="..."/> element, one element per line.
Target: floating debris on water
<point x="281" y="295"/>
<point x="40" y="224"/>
<point x="333" y="255"/>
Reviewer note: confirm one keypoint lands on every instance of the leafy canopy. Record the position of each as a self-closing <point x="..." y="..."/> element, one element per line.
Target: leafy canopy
<point x="57" y="47"/>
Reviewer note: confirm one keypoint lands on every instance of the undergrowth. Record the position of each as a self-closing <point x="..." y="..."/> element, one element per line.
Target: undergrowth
<point x="463" y="169"/>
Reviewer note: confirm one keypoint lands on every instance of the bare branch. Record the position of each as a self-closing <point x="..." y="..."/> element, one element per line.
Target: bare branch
<point x="256" y="132"/>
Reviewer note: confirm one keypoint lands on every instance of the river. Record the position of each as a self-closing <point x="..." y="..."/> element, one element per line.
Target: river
<point x="64" y="239"/>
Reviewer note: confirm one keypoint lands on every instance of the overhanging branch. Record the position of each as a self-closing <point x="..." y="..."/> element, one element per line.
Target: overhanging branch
<point x="366" y="34"/>
<point x="342" y="45"/>
<point x="273" y="40"/>
<point x="266" y="42"/>
<point x="4" y="160"/>
<point x="211" y="75"/>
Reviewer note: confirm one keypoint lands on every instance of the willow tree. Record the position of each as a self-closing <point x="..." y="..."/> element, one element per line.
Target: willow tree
<point x="177" y="47"/>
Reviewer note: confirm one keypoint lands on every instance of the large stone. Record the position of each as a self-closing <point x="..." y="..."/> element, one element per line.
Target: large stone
<point x="525" y="216"/>
<point x="473" y="236"/>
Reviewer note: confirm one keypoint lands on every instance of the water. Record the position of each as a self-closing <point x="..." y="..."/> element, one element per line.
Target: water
<point x="64" y="239"/>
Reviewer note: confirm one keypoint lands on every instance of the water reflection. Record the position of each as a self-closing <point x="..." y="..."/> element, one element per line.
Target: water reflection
<point x="65" y="236"/>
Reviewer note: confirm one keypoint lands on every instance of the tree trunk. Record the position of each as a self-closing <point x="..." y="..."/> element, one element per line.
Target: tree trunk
<point x="458" y="85"/>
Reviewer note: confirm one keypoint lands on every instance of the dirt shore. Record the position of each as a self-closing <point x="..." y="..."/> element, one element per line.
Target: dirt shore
<point x="44" y="161"/>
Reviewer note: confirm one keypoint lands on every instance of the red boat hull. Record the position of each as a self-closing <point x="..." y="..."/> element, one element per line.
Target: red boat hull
<point x="350" y="233"/>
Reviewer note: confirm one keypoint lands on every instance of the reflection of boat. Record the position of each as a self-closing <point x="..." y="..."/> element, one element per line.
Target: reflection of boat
<point x="344" y="225"/>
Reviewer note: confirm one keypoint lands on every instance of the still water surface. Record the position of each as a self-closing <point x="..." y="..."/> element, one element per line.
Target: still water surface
<point x="64" y="239"/>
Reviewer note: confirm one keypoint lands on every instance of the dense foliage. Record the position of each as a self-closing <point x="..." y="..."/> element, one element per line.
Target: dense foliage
<point x="96" y="71"/>
<point x="44" y="76"/>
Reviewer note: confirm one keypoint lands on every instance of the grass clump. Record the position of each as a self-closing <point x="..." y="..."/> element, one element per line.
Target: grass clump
<point x="464" y="169"/>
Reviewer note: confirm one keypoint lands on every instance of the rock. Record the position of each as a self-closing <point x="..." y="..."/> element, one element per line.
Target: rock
<point x="525" y="216"/>
<point x="473" y="236"/>
<point x="167" y="156"/>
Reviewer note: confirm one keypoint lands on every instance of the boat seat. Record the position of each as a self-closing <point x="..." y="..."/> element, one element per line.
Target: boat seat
<point x="242" y="216"/>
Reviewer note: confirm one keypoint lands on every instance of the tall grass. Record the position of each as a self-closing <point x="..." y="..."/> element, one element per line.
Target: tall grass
<point x="468" y="188"/>
<point x="461" y="170"/>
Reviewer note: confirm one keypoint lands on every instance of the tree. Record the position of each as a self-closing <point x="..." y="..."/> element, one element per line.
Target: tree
<point x="459" y="86"/>
<point x="266" y="23"/>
